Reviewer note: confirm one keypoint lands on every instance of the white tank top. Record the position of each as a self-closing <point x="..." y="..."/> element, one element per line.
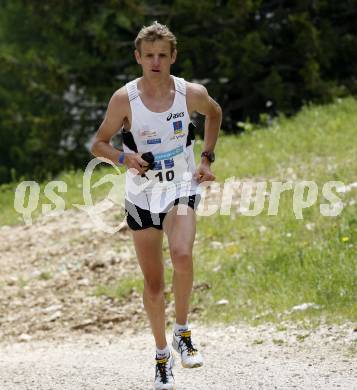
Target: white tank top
<point x="169" y="136"/>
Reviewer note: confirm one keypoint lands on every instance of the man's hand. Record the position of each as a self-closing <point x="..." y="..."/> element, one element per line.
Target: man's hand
<point x="204" y="173"/>
<point x="134" y="161"/>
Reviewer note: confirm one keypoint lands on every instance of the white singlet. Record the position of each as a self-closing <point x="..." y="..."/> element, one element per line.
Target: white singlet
<point x="169" y="136"/>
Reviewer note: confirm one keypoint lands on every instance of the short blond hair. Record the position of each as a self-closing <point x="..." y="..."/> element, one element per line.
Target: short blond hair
<point x="156" y="31"/>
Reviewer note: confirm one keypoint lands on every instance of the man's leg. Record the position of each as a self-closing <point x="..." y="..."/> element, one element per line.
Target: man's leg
<point x="148" y="247"/>
<point x="181" y="231"/>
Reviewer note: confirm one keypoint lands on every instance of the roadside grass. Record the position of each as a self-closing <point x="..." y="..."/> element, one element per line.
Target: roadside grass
<point x="121" y="289"/>
<point x="265" y="265"/>
<point x="258" y="269"/>
<point x="72" y="196"/>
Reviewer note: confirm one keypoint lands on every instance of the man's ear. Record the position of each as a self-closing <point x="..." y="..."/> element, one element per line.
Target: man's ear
<point x="137" y="56"/>
<point x="173" y="56"/>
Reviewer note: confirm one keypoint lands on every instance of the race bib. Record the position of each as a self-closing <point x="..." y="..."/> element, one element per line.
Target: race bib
<point x="170" y="179"/>
<point x="170" y="167"/>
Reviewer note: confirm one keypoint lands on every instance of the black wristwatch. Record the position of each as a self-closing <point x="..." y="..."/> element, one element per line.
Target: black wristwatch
<point x="209" y="155"/>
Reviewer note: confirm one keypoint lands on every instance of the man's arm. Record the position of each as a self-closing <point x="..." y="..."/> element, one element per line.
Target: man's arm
<point x="198" y="100"/>
<point x="118" y="109"/>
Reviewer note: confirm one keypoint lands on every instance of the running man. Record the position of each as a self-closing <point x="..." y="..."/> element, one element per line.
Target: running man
<point x="154" y="113"/>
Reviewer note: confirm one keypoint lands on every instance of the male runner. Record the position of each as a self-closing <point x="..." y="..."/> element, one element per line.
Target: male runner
<point x="154" y="112"/>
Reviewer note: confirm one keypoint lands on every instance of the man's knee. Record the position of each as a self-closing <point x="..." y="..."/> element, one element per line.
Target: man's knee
<point x="154" y="290"/>
<point x="181" y="259"/>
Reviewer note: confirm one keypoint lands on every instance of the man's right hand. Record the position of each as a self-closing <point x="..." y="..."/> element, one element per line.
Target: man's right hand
<point x="134" y="161"/>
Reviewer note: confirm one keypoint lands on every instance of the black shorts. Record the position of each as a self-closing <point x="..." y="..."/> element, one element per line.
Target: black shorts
<point x="139" y="219"/>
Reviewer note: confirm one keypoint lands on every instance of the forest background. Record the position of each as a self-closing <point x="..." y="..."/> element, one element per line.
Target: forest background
<point x="60" y="62"/>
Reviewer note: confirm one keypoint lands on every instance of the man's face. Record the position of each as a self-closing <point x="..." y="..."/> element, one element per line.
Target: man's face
<point x="155" y="57"/>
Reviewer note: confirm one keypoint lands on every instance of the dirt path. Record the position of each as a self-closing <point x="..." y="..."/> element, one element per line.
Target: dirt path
<point x="235" y="358"/>
<point x="56" y="333"/>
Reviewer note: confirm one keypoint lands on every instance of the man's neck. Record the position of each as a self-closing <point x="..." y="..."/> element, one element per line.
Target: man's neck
<point x="156" y="87"/>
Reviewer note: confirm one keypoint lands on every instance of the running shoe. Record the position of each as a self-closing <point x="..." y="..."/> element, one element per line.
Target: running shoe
<point x="164" y="378"/>
<point x="190" y="356"/>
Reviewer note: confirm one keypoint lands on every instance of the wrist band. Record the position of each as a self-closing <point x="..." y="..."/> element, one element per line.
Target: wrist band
<point x="121" y="158"/>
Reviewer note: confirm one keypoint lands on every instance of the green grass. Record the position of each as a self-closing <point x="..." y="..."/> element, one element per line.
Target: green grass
<point x="73" y="195"/>
<point x="45" y="276"/>
<point x="122" y="289"/>
<point x="263" y="274"/>
<point x="265" y="265"/>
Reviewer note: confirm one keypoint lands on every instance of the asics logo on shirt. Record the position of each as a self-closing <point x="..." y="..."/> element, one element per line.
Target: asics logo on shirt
<point x="174" y="116"/>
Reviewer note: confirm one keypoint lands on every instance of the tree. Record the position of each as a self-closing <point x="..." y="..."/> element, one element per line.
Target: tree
<point x="61" y="61"/>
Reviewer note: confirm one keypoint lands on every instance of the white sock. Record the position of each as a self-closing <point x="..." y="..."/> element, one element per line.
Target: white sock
<point x="162" y="353"/>
<point x="180" y="328"/>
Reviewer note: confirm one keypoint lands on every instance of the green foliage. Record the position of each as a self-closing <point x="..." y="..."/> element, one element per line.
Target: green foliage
<point x="122" y="289"/>
<point x="265" y="265"/>
<point x="61" y="61"/>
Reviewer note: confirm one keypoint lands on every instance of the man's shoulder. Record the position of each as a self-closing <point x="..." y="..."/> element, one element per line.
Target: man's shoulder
<point x="120" y="97"/>
<point x="195" y="90"/>
<point x="195" y="94"/>
<point x="121" y="94"/>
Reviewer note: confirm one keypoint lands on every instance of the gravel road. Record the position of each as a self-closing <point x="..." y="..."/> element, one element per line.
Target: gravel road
<point x="238" y="357"/>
